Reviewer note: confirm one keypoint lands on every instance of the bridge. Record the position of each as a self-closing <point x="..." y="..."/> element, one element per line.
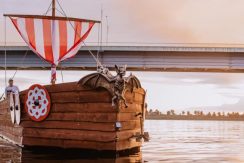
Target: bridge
<point x="141" y="58"/>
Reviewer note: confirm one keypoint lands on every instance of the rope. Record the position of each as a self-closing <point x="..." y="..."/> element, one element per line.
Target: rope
<point x="48" y="9"/>
<point x="101" y="37"/>
<point x="2" y="96"/>
<point x="61" y="70"/>
<point x="22" y="61"/>
<point x="98" y="43"/>
<point x="5" y="55"/>
<point x="5" y="52"/>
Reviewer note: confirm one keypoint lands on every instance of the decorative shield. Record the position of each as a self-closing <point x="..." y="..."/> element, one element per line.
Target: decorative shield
<point x="37" y="103"/>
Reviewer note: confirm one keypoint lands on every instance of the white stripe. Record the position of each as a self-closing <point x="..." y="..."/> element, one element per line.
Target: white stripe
<point x="72" y="52"/>
<point x="55" y="41"/>
<point x="70" y="34"/>
<point x="38" y="27"/>
<point x="22" y="29"/>
<point x="84" y="29"/>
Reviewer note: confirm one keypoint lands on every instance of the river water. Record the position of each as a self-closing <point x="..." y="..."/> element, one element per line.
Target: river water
<point x="171" y="142"/>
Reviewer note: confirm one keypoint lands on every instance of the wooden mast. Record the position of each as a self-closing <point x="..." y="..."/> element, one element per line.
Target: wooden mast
<point x="53" y="8"/>
<point x="53" y="67"/>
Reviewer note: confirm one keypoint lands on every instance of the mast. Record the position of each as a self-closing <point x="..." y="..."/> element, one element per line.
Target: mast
<point x="53" y="8"/>
<point x="53" y="67"/>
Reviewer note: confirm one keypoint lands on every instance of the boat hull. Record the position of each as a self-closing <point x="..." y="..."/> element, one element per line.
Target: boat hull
<point x="79" y="118"/>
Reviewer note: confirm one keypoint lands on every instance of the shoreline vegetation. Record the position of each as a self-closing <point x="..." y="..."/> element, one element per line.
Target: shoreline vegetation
<point x="196" y="115"/>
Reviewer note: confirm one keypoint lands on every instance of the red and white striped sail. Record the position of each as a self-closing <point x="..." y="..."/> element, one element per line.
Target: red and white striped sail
<point x="53" y="40"/>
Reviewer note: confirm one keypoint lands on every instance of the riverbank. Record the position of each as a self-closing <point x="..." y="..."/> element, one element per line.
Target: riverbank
<point x="192" y="117"/>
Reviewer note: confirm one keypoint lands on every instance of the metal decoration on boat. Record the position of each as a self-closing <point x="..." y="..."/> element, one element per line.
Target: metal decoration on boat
<point x="37" y="103"/>
<point x="117" y="84"/>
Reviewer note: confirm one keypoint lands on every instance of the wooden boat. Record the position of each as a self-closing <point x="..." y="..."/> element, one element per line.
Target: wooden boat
<point x="100" y="112"/>
<point x="79" y="118"/>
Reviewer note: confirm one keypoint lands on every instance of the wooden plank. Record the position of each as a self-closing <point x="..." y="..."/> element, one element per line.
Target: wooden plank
<point x="82" y="135"/>
<point x="71" y="92"/>
<point x="4" y="104"/>
<point x="134" y="97"/>
<point x="139" y="90"/>
<point x="119" y="146"/>
<point x="128" y="125"/>
<point x="11" y="137"/>
<point x="139" y="98"/>
<point x="4" y="111"/>
<point x="5" y="117"/>
<point x="92" y="108"/>
<point x="68" y="143"/>
<point x="6" y="122"/>
<point x="83" y="108"/>
<point x="126" y="134"/>
<point x="132" y="108"/>
<point x="127" y="117"/>
<point x="88" y="117"/>
<point x="70" y="125"/>
<point x="58" y="88"/>
<point x="127" y="144"/>
<point x="81" y="97"/>
<point x="65" y="87"/>
<point x="79" y="117"/>
<point x="14" y="130"/>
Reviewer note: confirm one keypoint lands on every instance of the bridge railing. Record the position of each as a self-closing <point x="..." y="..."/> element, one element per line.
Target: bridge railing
<point x="157" y="44"/>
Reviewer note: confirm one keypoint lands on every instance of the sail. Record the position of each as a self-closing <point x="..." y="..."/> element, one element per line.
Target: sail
<point x="53" y="39"/>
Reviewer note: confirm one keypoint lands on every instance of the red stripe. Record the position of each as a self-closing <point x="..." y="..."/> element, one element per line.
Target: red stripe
<point x="91" y="24"/>
<point x="77" y="32"/>
<point x="29" y="25"/>
<point x="63" y="38"/>
<point x="47" y="36"/>
<point x="15" y="22"/>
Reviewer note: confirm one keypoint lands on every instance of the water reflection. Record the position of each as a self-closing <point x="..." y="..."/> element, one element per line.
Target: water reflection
<point x="12" y="153"/>
<point x="195" y="142"/>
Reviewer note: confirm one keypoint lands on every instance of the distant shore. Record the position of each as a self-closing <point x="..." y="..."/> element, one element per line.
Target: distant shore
<point x="193" y="117"/>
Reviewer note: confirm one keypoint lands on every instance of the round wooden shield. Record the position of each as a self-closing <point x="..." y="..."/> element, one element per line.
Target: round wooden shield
<point x="37" y="103"/>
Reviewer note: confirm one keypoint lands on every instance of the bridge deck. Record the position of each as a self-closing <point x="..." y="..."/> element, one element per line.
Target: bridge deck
<point x="143" y="58"/>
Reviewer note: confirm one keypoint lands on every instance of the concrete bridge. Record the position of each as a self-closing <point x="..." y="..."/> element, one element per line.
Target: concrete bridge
<point x="142" y="58"/>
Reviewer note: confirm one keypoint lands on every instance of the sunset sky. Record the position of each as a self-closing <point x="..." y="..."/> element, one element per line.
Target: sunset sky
<point x="155" y="21"/>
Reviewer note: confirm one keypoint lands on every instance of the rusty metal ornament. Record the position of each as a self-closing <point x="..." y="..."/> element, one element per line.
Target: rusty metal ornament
<point x="37" y="103"/>
<point x="116" y="85"/>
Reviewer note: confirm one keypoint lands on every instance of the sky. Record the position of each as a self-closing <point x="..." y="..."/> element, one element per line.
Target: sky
<point x="164" y="22"/>
<point x="144" y="21"/>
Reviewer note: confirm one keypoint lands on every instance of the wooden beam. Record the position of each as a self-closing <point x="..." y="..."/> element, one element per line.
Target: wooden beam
<point x="53" y="8"/>
<point x="51" y="17"/>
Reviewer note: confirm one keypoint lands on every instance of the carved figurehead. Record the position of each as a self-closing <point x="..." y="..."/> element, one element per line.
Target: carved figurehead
<point x="119" y="85"/>
<point x="116" y="85"/>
